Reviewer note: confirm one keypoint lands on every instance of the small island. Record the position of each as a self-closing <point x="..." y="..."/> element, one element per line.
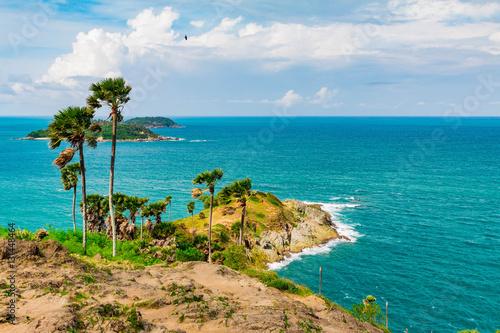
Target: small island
<point x="152" y="122"/>
<point x="132" y="130"/>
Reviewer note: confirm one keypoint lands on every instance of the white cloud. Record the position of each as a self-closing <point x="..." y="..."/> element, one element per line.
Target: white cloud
<point x="421" y="103"/>
<point x="197" y="24"/>
<point x="289" y="99"/>
<point x="440" y="10"/>
<point x="98" y="53"/>
<point x="324" y="97"/>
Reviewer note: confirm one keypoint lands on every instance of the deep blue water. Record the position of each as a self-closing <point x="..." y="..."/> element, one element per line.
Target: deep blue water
<point x="423" y="197"/>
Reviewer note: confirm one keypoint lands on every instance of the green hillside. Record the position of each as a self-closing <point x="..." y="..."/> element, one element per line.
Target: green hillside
<point x="152" y="122"/>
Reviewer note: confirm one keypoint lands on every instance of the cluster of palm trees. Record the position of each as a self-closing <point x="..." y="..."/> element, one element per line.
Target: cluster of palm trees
<point x="75" y="125"/>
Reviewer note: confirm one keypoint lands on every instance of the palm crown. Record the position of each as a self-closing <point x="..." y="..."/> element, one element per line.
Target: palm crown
<point x="210" y="178"/>
<point x="73" y="125"/>
<point x="69" y="175"/>
<point x="112" y="92"/>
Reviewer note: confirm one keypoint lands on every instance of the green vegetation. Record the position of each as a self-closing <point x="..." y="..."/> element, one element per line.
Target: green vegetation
<point x="126" y="132"/>
<point x="152" y="122"/>
<point x="41" y="133"/>
<point x="272" y="279"/>
<point x="369" y="311"/>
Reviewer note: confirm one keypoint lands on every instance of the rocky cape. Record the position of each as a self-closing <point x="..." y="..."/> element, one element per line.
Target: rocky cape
<point x="60" y="292"/>
<point x="277" y="228"/>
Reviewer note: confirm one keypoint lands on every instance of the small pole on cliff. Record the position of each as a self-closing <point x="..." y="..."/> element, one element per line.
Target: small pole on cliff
<point x="386" y="314"/>
<point x="320" y="273"/>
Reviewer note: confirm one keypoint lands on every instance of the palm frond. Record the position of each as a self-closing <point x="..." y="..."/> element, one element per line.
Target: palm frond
<point x="64" y="157"/>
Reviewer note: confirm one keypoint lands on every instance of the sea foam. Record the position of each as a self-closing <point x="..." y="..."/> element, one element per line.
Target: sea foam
<point x="342" y="229"/>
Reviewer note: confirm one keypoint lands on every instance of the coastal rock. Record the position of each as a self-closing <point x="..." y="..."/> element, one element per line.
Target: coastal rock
<point x="41" y="234"/>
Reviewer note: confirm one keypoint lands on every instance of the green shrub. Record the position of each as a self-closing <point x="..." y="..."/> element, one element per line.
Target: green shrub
<point x="470" y="331"/>
<point x="218" y="256"/>
<point x="235" y="228"/>
<point x="368" y="311"/>
<point x="24" y="234"/>
<point x="284" y="285"/>
<point x="259" y="258"/>
<point x="163" y="230"/>
<point x="190" y="254"/>
<point x="200" y="240"/>
<point x="236" y="257"/>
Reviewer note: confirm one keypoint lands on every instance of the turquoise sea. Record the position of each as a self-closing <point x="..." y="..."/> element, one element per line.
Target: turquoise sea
<point x="420" y="197"/>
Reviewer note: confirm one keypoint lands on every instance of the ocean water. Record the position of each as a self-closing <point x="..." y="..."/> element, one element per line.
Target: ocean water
<point x="419" y="197"/>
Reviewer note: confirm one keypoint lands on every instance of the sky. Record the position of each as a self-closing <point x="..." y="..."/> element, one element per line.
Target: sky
<point x="254" y="58"/>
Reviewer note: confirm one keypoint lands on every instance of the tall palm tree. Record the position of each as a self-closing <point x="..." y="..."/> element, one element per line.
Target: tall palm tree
<point x="144" y="211"/>
<point x="168" y="201"/>
<point x="190" y="208"/>
<point x="69" y="178"/>
<point x="74" y="125"/>
<point x="112" y="92"/>
<point x="210" y="179"/>
<point x="241" y="190"/>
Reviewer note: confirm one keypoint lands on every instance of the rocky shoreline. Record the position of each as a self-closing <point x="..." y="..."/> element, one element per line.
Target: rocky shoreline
<point x="315" y="228"/>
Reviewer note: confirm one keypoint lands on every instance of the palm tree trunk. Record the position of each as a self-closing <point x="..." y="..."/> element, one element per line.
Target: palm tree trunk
<point x="210" y="226"/>
<point x="240" y="241"/>
<point x="169" y="210"/>
<point x="111" y="178"/>
<point x="84" y="199"/>
<point x="74" y="204"/>
<point x="142" y="223"/>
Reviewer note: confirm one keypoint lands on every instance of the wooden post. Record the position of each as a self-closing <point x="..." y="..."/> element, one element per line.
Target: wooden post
<point x="406" y="330"/>
<point x="386" y="314"/>
<point x="320" y="273"/>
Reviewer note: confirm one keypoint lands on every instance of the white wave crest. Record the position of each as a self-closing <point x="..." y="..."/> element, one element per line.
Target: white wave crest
<point x="342" y="229"/>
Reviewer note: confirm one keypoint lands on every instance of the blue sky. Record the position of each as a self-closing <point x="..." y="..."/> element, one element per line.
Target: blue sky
<point x="255" y="58"/>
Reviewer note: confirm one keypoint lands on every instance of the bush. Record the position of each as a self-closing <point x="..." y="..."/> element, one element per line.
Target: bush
<point x="272" y="279"/>
<point x="235" y="229"/>
<point x="200" y="240"/>
<point x="218" y="256"/>
<point x="163" y="230"/>
<point x="259" y="258"/>
<point x="236" y="257"/>
<point x="284" y="285"/>
<point x="368" y="311"/>
<point x="190" y="254"/>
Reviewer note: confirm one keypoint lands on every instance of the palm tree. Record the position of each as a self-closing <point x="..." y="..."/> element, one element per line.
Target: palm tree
<point x="241" y="190"/>
<point x="97" y="208"/>
<point x="113" y="93"/>
<point x="134" y="204"/>
<point x="190" y="208"/>
<point x="210" y="178"/>
<point x="168" y="201"/>
<point x="158" y="208"/>
<point x="145" y="212"/>
<point x="74" y="125"/>
<point x="69" y="178"/>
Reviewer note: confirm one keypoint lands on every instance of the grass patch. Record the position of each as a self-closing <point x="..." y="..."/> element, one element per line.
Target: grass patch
<point x="272" y="279"/>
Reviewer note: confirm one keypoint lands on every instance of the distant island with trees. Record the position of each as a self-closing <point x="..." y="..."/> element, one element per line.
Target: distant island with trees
<point x="135" y="129"/>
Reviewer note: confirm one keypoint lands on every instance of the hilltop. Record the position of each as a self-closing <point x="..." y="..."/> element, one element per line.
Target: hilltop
<point x="152" y="122"/>
<point x="71" y="293"/>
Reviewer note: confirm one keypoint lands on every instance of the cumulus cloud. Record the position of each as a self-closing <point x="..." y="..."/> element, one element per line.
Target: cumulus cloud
<point x="99" y="53"/>
<point x="324" y="97"/>
<point x="289" y="99"/>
